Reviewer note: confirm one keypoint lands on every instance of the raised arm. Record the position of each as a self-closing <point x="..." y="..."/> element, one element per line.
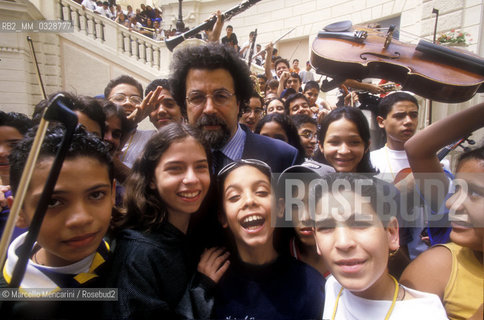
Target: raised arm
<point x="214" y="34"/>
<point x="267" y="65"/>
<point x="422" y="148"/>
<point x="282" y="83"/>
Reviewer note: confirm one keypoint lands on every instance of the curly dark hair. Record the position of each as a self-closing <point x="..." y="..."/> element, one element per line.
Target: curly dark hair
<point x="84" y="144"/>
<point x="111" y="109"/>
<point x="89" y="106"/>
<point x="300" y="119"/>
<point x="211" y="56"/>
<point x="122" y="79"/>
<point x="281" y="60"/>
<point x="146" y="209"/>
<point x="291" y="98"/>
<point x="155" y="83"/>
<point x="16" y="120"/>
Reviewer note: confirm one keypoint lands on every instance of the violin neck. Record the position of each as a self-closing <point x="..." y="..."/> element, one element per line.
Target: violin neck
<point x="465" y="61"/>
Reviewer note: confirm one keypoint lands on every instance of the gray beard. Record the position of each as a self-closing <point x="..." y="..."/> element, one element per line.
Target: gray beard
<point x="215" y="139"/>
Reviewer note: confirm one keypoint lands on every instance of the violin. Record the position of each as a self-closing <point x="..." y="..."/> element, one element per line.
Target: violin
<point x="429" y="70"/>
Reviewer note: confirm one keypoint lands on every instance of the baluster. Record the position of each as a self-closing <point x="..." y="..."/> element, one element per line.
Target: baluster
<point x="156" y="57"/>
<point x="69" y="10"/>
<point x="120" y="41"/>
<point x="137" y="48"/>
<point x="144" y="57"/>
<point x="102" y="31"/>
<point x="151" y="55"/>
<point x="78" y="20"/>
<point x="61" y="10"/>
<point x="94" y="28"/>
<point x="86" y="24"/>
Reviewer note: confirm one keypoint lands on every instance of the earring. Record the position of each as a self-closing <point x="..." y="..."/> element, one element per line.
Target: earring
<point x="394" y="252"/>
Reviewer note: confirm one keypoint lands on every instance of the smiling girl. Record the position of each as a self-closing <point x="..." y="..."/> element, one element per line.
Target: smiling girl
<point x="260" y="283"/>
<point x="168" y="184"/>
<point x="344" y="140"/>
<point x="355" y="232"/>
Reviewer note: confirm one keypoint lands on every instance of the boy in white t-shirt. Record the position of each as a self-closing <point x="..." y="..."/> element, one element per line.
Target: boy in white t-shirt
<point x="398" y="115"/>
<point x="355" y="232"/>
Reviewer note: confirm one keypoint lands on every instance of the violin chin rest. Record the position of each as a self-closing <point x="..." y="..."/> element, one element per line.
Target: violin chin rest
<point x="340" y="26"/>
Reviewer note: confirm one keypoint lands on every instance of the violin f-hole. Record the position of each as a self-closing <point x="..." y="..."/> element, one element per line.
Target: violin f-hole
<point x="379" y="55"/>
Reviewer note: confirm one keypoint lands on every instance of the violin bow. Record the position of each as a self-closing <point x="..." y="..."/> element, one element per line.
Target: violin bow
<point x="27" y="173"/>
<point x="436" y="12"/>
<point x="56" y="111"/>
<point x="277" y="40"/>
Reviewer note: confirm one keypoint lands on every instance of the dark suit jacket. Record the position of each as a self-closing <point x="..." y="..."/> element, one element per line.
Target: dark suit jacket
<point x="276" y="153"/>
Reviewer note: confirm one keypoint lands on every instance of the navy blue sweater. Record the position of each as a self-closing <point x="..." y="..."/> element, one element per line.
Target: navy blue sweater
<point x="283" y="289"/>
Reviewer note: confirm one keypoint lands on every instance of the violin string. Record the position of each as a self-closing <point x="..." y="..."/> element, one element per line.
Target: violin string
<point x="413" y="35"/>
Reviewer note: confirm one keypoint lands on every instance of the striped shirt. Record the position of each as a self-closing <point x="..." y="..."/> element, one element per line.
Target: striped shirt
<point x="234" y="149"/>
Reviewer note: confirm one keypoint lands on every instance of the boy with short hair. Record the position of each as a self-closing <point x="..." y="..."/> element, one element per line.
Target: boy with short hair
<point x="70" y="251"/>
<point x="307" y="128"/>
<point x="398" y="116"/>
<point x="231" y="38"/>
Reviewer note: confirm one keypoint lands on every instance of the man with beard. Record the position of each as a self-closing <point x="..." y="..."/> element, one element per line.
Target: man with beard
<point x="210" y="84"/>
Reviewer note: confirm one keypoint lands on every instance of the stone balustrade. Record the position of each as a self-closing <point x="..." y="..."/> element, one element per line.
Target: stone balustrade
<point x="120" y="39"/>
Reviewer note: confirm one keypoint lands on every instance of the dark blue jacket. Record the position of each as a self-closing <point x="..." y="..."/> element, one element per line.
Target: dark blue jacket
<point x="284" y="289"/>
<point x="276" y="153"/>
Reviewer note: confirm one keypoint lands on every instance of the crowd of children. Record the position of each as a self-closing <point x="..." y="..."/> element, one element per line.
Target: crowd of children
<point x="184" y="229"/>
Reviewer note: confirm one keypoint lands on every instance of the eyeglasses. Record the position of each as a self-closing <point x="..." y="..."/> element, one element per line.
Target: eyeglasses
<point x="308" y="135"/>
<point x="219" y="97"/>
<point x="121" y="98"/>
<point x="254" y="162"/>
<point x="257" y="111"/>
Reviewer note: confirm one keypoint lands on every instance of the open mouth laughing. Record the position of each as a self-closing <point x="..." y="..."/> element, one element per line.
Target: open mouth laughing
<point x="253" y="223"/>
